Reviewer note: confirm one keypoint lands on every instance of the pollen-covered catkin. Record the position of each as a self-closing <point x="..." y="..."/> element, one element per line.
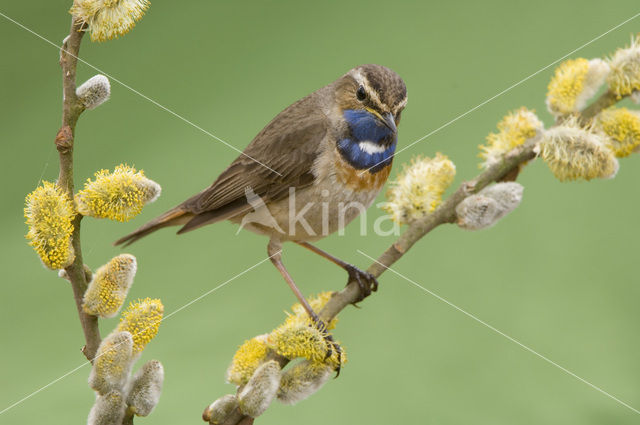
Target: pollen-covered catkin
<point x="108" y="409"/>
<point x="49" y="213"/>
<point x="247" y="359"/>
<point x="487" y="207"/>
<point x="302" y="380"/>
<point x="575" y="82"/>
<point x="142" y="319"/>
<point x="117" y="196"/>
<point x="261" y="389"/>
<point x="218" y="411"/>
<point x="94" y="92"/>
<point x="145" y="388"/>
<point x="418" y="189"/>
<point x="624" y="77"/>
<point x="109" y="287"/>
<point x="317" y="303"/>
<point x="293" y="340"/>
<point x="112" y="364"/>
<point x="573" y="153"/>
<point x="108" y="19"/>
<point x="513" y="130"/>
<point x="623" y="128"/>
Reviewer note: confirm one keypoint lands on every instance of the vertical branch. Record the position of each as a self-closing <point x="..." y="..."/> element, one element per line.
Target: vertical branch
<point x="71" y="110"/>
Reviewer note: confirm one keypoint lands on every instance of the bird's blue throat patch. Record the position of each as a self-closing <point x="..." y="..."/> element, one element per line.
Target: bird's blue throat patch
<point x="370" y="143"/>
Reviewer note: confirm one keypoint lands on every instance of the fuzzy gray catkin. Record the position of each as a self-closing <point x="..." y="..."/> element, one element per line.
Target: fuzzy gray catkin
<point x="145" y="388"/>
<point x="261" y="389"/>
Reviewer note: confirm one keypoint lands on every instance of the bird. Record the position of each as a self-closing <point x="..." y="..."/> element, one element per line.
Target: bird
<point x="309" y="172"/>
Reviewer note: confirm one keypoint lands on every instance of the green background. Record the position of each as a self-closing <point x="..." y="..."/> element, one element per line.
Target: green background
<point x="559" y="274"/>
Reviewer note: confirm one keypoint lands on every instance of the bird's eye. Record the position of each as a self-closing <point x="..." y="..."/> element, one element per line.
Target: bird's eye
<point x="361" y="94"/>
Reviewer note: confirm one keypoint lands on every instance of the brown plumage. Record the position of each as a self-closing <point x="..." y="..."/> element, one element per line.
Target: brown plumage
<point x="332" y="148"/>
<point x="288" y="144"/>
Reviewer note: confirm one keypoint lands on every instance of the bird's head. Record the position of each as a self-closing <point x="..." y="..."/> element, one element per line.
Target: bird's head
<point x="372" y="91"/>
<point x="369" y="100"/>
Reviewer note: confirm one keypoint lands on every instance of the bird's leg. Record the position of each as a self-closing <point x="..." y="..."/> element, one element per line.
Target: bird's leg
<point x="274" y="249"/>
<point x="366" y="281"/>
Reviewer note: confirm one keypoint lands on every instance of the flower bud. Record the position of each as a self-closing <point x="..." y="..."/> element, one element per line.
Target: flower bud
<point x="109" y="19"/>
<point x="218" y="411"/>
<point x="142" y="319"/>
<point x="418" y="189"/>
<point x="623" y="128"/>
<point x="49" y="213"/>
<point x="574" y="83"/>
<point x="485" y="208"/>
<point x="257" y="395"/>
<point x="293" y="340"/>
<point x="117" y="196"/>
<point x="575" y="153"/>
<point x="145" y="388"/>
<point x="302" y="380"/>
<point x="112" y="364"/>
<point x="107" y="410"/>
<point x="108" y="289"/>
<point x="514" y="129"/>
<point x="624" y="77"/>
<point x="94" y="92"/>
<point x="247" y="359"/>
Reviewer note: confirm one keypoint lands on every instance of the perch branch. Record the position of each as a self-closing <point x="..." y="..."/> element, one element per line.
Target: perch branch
<point x="446" y="212"/>
<point x="443" y="214"/>
<point x="71" y="110"/>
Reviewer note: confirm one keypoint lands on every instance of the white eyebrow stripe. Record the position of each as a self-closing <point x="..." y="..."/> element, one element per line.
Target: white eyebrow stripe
<point x="400" y="105"/>
<point x="370" y="147"/>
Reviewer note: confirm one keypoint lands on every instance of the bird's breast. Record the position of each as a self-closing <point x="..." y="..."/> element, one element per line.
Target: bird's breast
<point x="359" y="180"/>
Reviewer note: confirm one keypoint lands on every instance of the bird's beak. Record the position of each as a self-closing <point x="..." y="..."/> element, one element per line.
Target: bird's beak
<point x="386" y="119"/>
<point x="389" y="121"/>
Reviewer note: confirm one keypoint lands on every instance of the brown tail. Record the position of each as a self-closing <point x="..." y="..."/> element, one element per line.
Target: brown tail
<point x="172" y="217"/>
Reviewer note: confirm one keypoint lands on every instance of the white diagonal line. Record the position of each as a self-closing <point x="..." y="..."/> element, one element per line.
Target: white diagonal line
<point x="142" y="330"/>
<point x="140" y="94"/>
<point x="499" y="332"/>
<point x="480" y="105"/>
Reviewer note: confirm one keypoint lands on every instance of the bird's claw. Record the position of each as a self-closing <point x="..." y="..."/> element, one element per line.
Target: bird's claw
<point x="366" y="281"/>
<point x="331" y="344"/>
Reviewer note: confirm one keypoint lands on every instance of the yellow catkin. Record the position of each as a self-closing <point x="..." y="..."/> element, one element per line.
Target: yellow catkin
<point x="418" y="189"/>
<point x="513" y="130"/>
<point x="49" y="213"/>
<point x="574" y="153"/>
<point x="624" y="77"/>
<point x="119" y="195"/>
<point x="108" y="19"/>
<point x="317" y="303"/>
<point x="623" y="128"/>
<point x="247" y="359"/>
<point x="142" y="319"/>
<point x="108" y="289"/>
<point x="300" y="340"/>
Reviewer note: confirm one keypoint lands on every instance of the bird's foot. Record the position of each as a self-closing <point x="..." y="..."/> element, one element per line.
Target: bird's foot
<point x="332" y="345"/>
<point x="366" y="281"/>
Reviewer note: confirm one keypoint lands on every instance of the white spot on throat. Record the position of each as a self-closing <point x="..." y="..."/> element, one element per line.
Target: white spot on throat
<point x="371" y="148"/>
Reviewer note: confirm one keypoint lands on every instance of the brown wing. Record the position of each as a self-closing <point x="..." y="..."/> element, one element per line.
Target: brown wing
<point x="289" y="145"/>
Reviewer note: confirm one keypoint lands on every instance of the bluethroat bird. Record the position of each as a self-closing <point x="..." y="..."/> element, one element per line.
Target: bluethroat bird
<point x="309" y="172"/>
